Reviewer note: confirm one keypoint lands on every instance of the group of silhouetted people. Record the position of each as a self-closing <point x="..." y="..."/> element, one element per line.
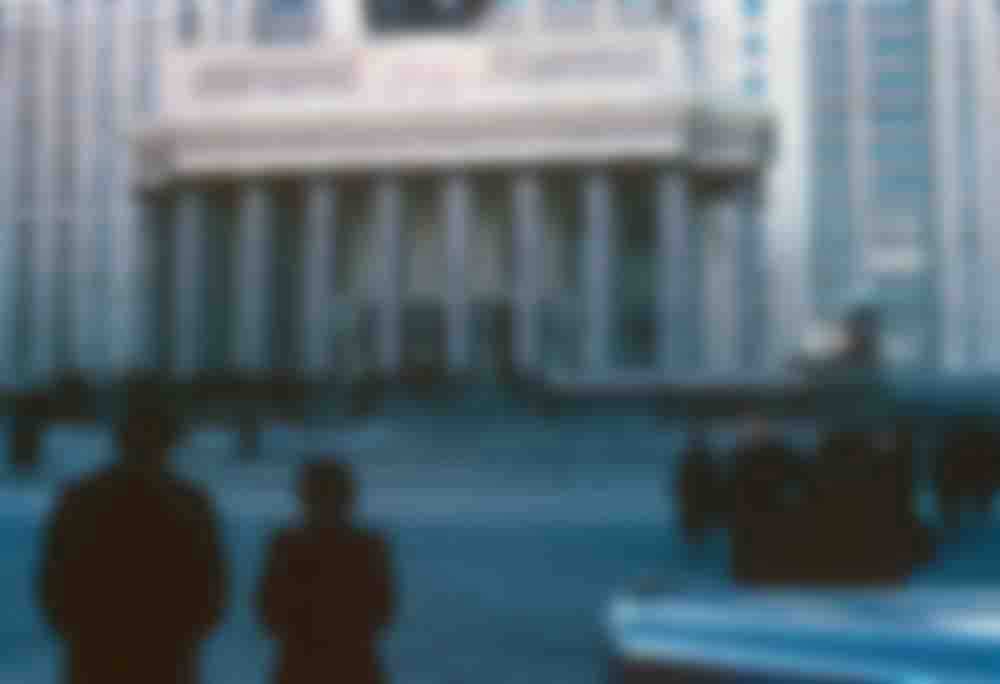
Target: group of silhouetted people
<point x="133" y="575"/>
<point x="845" y="515"/>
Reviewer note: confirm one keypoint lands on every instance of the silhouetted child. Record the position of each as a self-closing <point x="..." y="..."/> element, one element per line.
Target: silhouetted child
<point x="327" y="592"/>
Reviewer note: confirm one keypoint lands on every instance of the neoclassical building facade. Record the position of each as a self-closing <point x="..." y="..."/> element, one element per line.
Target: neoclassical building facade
<point x="527" y="191"/>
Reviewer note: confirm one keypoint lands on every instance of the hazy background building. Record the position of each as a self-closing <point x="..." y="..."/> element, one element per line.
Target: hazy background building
<point x="79" y="77"/>
<point x="898" y="91"/>
<point x="756" y="47"/>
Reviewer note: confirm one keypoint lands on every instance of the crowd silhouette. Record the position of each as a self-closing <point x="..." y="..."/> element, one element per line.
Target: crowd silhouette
<point x="847" y="514"/>
<point x="133" y="574"/>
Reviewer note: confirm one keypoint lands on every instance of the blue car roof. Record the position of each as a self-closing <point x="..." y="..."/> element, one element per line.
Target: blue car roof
<point x="887" y="637"/>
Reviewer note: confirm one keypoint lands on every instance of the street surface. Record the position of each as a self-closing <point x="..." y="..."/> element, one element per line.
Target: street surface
<point x="507" y="538"/>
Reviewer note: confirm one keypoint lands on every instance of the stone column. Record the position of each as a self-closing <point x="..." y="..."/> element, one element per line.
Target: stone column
<point x="241" y="30"/>
<point x="388" y="214"/>
<point x="125" y="348"/>
<point x="85" y="238"/>
<point x="44" y="242"/>
<point x="254" y="279"/>
<point x="724" y="340"/>
<point x="189" y="273"/>
<point x="319" y="236"/>
<point x="457" y="198"/>
<point x="676" y="273"/>
<point x="752" y="278"/>
<point x="527" y="271"/>
<point x="597" y="272"/>
<point x="9" y="216"/>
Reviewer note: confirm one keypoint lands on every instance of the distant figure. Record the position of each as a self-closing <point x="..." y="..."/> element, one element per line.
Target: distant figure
<point x="697" y="489"/>
<point x="964" y="472"/>
<point x="30" y="415"/>
<point x="901" y="468"/>
<point x="366" y="394"/>
<point x="851" y="508"/>
<point x="768" y="487"/>
<point x="979" y="472"/>
<point x="248" y="434"/>
<point x="326" y="594"/>
<point x="912" y="542"/>
<point x="132" y="576"/>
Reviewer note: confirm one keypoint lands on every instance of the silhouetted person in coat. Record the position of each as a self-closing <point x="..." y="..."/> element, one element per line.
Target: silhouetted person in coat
<point x="327" y="595"/>
<point x="697" y="489"/>
<point x="132" y="577"/>
<point x="366" y="395"/>
<point x="768" y="486"/>
<point x="979" y="471"/>
<point x="30" y="415"/>
<point x="961" y="472"/>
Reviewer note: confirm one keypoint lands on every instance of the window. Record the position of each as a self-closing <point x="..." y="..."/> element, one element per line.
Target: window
<point x="145" y="93"/>
<point x="898" y="80"/>
<point x="755" y="45"/>
<point x="568" y="14"/>
<point x="753" y="9"/>
<point x="693" y="26"/>
<point x="905" y="44"/>
<point x="503" y="14"/>
<point x="902" y="186"/>
<point x="755" y="85"/>
<point x="188" y="23"/>
<point x="389" y="16"/>
<point x="829" y="13"/>
<point x="287" y="21"/>
<point x="645" y="12"/>
<point x="228" y="19"/>
<point x="890" y="154"/>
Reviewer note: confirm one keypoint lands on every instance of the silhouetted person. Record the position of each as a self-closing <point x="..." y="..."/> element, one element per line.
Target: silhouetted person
<point x="901" y="472"/>
<point x="856" y="510"/>
<point x="979" y="470"/>
<point x="29" y="420"/>
<point x="768" y="484"/>
<point x="326" y="594"/>
<point x="903" y="540"/>
<point x="366" y="395"/>
<point x="961" y="472"/>
<point x="132" y="576"/>
<point x="697" y="489"/>
<point x="248" y="434"/>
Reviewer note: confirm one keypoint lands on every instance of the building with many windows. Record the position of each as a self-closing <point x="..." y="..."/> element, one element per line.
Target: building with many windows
<point x="969" y="148"/>
<point x="332" y="186"/>
<point x="900" y="146"/>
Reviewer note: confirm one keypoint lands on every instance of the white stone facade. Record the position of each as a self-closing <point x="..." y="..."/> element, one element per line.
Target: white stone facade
<point x="483" y="199"/>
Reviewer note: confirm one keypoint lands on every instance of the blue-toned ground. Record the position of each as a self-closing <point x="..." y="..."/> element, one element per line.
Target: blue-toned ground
<point x="508" y="537"/>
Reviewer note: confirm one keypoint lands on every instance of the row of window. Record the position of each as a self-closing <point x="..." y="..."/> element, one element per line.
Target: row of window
<point x="883" y="10"/>
<point x="280" y="21"/>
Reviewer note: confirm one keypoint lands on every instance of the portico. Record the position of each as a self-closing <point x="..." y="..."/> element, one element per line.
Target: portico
<point x="503" y="213"/>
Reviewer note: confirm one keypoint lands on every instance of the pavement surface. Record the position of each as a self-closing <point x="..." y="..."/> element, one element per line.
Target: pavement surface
<point x="507" y="539"/>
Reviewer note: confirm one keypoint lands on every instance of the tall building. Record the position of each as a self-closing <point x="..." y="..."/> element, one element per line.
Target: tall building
<point x="730" y="43"/>
<point x="968" y="50"/>
<point x="898" y="144"/>
<point x="275" y="185"/>
<point x="756" y="47"/>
